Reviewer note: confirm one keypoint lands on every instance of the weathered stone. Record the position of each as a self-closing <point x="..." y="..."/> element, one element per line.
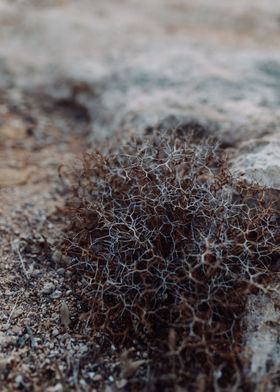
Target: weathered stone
<point x="262" y="335"/>
<point x="56" y="294"/>
<point x="48" y="288"/>
<point x="213" y="62"/>
<point x="259" y="161"/>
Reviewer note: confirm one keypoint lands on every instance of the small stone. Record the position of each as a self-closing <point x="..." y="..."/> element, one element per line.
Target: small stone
<point x="16" y="329"/>
<point x="19" y="380"/>
<point x="48" y="288"/>
<point x="65" y="315"/>
<point x="66" y="260"/>
<point x="56" y="294"/>
<point x="83" y="348"/>
<point x="51" y="345"/>
<point x="121" y="383"/>
<point x="55" y="332"/>
<point x="56" y="256"/>
<point x="60" y="259"/>
<point x="3" y="364"/>
<point x="35" y="273"/>
<point x="57" y="388"/>
<point x="85" y="386"/>
<point x="17" y="312"/>
<point x="61" y="271"/>
<point x="98" y="377"/>
<point x="7" y="340"/>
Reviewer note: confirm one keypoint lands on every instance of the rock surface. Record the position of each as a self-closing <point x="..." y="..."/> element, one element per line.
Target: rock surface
<point x="128" y="65"/>
<point x="259" y="161"/>
<point x="262" y="339"/>
<point x="133" y="63"/>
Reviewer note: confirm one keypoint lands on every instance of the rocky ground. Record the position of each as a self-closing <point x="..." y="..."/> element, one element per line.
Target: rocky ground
<point x="73" y="74"/>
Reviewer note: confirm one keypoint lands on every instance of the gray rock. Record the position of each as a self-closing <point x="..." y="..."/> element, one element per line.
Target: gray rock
<point x="57" y="256"/>
<point x="262" y="336"/>
<point x="61" y="271"/>
<point x="19" y="381"/>
<point x="259" y="161"/>
<point x="55" y="332"/>
<point x="213" y="62"/>
<point x="56" y="294"/>
<point x="48" y="288"/>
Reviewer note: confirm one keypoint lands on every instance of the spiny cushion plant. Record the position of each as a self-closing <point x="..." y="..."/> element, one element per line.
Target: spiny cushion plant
<point x="168" y="245"/>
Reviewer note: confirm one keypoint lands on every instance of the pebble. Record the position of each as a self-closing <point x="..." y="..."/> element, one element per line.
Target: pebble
<point x="48" y="288"/>
<point x="56" y="294"/>
<point x="16" y="329"/>
<point x="19" y="380"/>
<point x="98" y="377"/>
<point x="121" y="383"/>
<point x="51" y="345"/>
<point x="66" y="260"/>
<point x="6" y="340"/>
<point x="83" y="348"/>
<point x="57" y="388"/>
<point x="56" y="256"/>
<point x="55" y="332"/>
<point x="17" y="312"/>
<point x="36" y="273"/>
<point x="60" y="259"/>
<point x="64" y="315"/>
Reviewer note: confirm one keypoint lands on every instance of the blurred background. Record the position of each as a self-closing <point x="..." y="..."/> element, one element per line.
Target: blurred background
<point x="75" y="72"/>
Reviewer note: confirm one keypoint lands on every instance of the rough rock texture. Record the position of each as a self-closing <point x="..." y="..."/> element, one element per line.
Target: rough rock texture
<point x="213" y="61"/>
<point x="262" y="340"/>
<point x="129" y="65"/>
<point x="259" y="161"/>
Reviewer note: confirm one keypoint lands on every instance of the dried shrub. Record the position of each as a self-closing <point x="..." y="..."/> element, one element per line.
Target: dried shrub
<point x="167" y="245"/>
